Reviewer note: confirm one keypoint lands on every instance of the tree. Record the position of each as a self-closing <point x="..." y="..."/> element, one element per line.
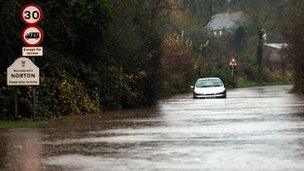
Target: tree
<point x="293" y="32"/>
<point x="177" y="64"/>
<point x="203" y="10"/>
<point x="262" y="19"/>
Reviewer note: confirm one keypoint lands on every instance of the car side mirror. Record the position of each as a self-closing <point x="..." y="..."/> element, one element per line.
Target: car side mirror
<point x="192" y="87"/>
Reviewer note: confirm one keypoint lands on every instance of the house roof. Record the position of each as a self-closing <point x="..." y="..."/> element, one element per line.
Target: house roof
<point x="229" y="20"/>
<point x="276" y="45"/>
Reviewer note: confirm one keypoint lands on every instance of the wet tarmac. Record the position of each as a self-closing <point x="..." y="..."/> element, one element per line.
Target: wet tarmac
<point x="253" y="129"/>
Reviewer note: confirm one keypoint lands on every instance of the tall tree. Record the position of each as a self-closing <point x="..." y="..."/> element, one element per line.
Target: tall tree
<point x="294" y="35"/>
<point x="203" y="10"/>
<point x="262" y="18"/>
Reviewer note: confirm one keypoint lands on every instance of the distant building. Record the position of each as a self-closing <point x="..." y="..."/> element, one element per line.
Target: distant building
<point x="226" y="22"/>
<point x="276" y="45"/>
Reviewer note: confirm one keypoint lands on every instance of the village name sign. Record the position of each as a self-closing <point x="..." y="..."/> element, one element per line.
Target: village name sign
<point x="23" y="72"/>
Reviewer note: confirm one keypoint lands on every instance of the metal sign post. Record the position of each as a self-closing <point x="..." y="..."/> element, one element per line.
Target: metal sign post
<point x="16" y="103"/>
<point x="32" y="36"/>
<point x="34" y="95"/>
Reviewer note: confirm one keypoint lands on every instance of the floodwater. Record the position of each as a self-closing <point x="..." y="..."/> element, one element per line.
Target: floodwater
<point x="253" y="129"/>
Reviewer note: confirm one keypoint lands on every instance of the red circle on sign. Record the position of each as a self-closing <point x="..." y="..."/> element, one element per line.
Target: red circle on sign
<point x="23" y="36"/>
<point x="35" y="6"/>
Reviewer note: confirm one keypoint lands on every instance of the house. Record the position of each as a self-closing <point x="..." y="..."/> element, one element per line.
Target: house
<point x="226" y="22"/>
<point x="276" y="45"/>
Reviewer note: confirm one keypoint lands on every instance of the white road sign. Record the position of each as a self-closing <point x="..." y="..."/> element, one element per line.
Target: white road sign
<point x="31" y="14"/>
<point x="23" y="72"/>
<point x="32" y="51"/>
<point x="32" y="36"/>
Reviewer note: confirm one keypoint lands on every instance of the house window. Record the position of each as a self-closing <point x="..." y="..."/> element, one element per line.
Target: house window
<point x="217" y="32"/>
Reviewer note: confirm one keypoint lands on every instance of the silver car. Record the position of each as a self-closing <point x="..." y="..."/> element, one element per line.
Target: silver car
<point x="209" y="88"/>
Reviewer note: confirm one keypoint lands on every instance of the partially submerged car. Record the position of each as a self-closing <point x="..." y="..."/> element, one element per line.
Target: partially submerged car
<point x="209" y="88"/>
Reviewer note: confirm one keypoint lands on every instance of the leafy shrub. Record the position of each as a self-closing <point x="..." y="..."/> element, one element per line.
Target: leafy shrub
<point x="177" y="64"/>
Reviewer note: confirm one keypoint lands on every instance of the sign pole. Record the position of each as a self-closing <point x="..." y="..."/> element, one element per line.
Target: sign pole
<point x="16" y="103"/>
<point x="23" y="72"/>
<point x="233" y="64"/>
<point x="34" y="102"/>
<point x="34" y="96"/>
<point x="31" y="36"/>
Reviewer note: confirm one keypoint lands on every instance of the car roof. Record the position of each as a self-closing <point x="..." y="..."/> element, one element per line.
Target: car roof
<point x="209" y="78"/>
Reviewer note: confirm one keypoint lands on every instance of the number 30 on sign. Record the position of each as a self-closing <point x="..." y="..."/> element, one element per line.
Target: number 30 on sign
<point x="31" y="14"/>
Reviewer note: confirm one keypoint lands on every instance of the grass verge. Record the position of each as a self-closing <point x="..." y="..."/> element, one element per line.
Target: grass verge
<point x="21" y="123"/>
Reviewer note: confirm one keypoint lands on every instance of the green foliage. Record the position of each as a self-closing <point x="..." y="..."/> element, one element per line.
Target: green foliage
<point x="98" y="55"/>
<point x="203" y="10"/>
<point x="64" y="96"/>
<point x="267" y="77"/>
<point x="23" y="123"/>
<point x="223" y="73"/>
<point x="293" y="33"/>
<point x="177" y="64"/>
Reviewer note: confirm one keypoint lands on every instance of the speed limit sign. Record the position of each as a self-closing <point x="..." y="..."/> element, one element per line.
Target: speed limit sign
<point x="31" y="14"/>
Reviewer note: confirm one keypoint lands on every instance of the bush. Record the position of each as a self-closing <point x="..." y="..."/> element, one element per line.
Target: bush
<point x="177" y="65"/>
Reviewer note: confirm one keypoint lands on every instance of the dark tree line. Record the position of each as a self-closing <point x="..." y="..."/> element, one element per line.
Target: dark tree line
<point x="99" y="55"/>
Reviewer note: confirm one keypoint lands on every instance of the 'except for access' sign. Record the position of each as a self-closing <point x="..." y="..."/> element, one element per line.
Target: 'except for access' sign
<point x="23" y="72"/>
<point x="32" y="51"/>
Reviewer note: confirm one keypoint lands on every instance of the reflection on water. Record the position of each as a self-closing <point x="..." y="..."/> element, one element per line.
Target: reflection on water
<point x="253" y="129"/>
<point x="21" y="150"/>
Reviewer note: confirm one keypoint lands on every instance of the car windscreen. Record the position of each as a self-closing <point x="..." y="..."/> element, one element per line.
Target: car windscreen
<point x="209" y="83"/>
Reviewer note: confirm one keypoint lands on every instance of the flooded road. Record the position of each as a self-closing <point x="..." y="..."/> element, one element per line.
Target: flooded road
<point x="253" y="129"/>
